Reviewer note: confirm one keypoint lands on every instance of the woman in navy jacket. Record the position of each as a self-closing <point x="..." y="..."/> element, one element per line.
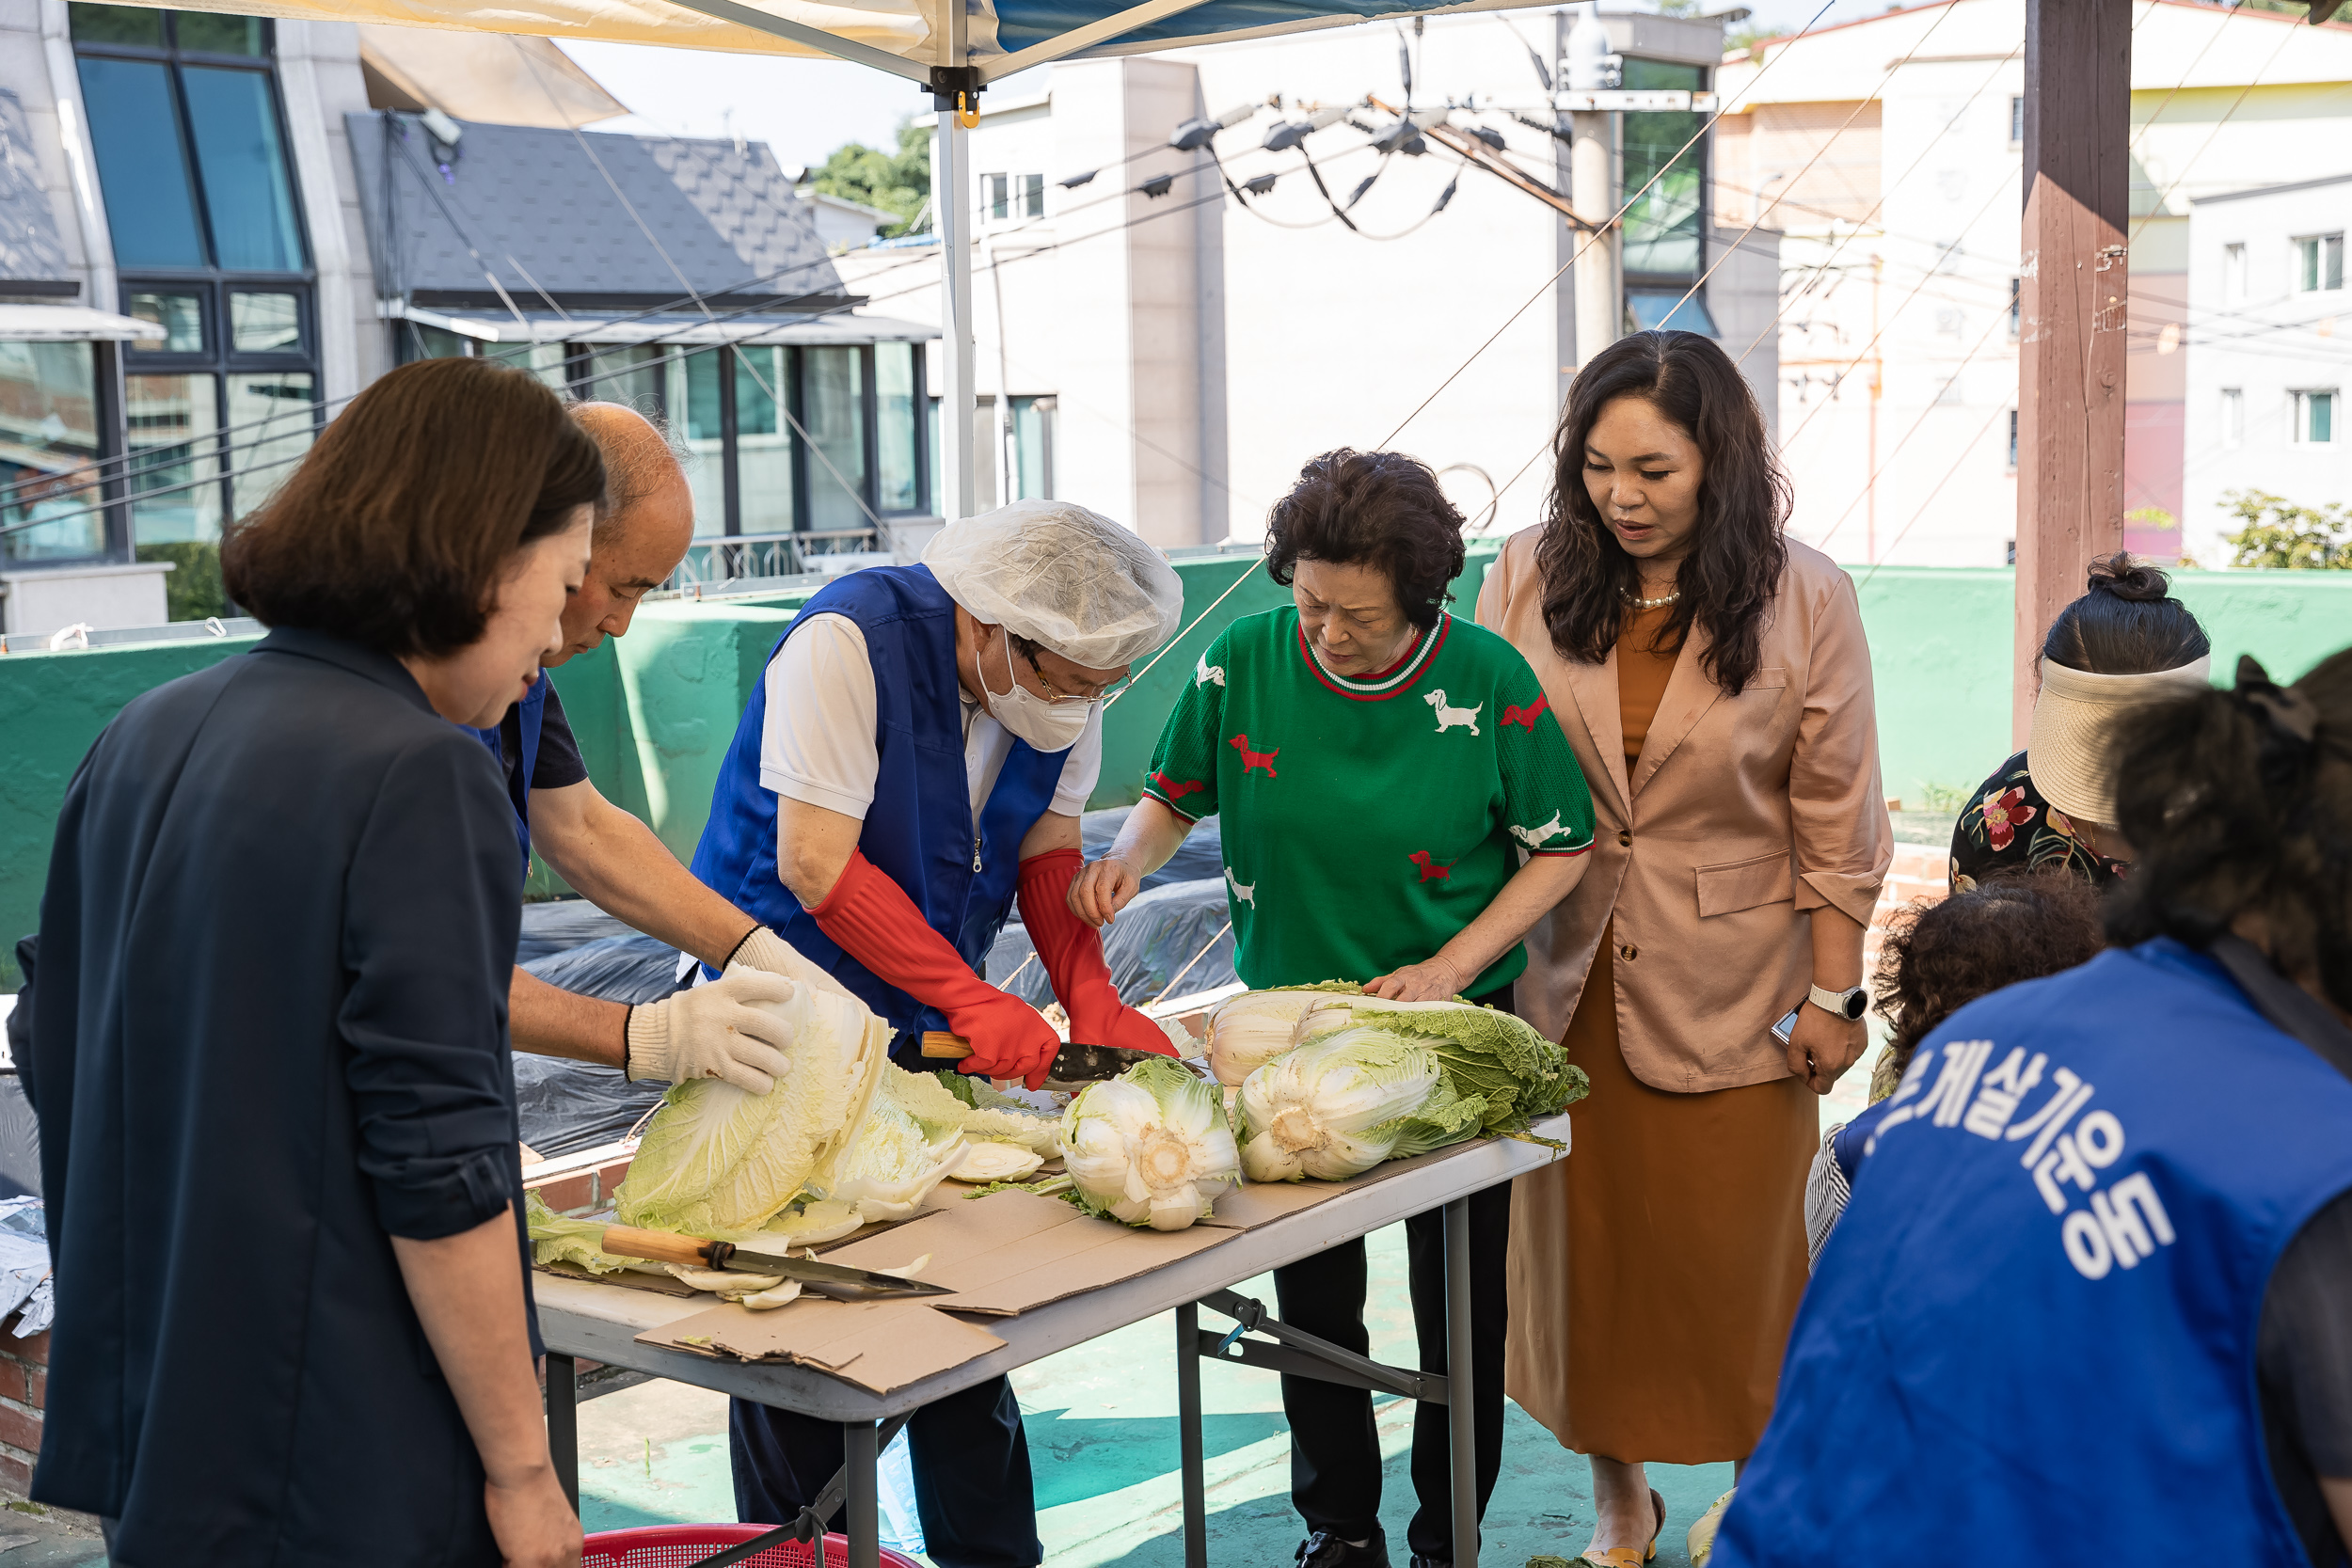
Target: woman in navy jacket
<point x="269" y="1053"/>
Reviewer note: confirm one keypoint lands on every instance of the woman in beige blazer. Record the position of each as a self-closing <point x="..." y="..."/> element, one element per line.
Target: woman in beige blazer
<point x="1714" y="681"/>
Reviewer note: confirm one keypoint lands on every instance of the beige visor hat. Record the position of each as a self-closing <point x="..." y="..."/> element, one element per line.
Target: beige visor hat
<point x="2067" y="750"/>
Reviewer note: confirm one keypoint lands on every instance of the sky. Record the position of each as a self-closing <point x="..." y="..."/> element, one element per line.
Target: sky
<point x="803" y="109"/>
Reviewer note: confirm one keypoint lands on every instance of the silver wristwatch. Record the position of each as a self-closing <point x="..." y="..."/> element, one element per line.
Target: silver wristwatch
<point x="1850" y="1003"/>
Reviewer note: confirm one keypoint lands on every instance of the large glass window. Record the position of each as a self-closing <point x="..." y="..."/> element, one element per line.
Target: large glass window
<point x="629" y="374"/>
<point x="1662" y="228"/>
<point x="190" y="154"/>
<point x="48" y="451"/>
<point x="698" y="413"/>
<point x="222" y="401"/>
<point x="893" y="419"/>
<point x="833" y="412"/>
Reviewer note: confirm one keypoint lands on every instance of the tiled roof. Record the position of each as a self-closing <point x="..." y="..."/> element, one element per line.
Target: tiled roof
<point x="594" y="219"/>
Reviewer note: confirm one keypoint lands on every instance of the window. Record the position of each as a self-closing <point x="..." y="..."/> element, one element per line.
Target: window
<point x="2315" y="417"/>
<point x="2234" y="275"/>
<point x="856" y="453"/>
<point x="2016" y="119"/>
<point x="50" y="392"/>
<point x="2318" y="262"/>
<point x="1662" y="229"/>
<point x="208" y="234"/>
<point x="2012" y="454"/>
<point x="1008" y="196"/>
<point x="2232" y="416"/>
<point x="2016" y="307"/>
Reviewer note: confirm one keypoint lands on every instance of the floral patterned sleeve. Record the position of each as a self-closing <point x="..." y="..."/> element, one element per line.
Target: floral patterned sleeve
<point x="2008" y="825"/>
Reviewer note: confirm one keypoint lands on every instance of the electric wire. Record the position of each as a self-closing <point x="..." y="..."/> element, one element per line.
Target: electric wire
<point x="1709" y="124"/>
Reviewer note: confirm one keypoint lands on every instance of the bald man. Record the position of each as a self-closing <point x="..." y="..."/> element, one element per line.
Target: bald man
<point x="609" y="856"/>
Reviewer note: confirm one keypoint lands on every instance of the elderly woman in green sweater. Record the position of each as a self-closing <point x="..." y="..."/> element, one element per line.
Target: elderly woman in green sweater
<point x="1398" y="806"/>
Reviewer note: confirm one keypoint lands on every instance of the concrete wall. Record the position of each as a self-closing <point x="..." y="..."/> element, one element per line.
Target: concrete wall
<point x="655" y="710"/>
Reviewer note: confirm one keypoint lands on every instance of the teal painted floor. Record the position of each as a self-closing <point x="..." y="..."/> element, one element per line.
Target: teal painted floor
<point x="1102" y="1444"/>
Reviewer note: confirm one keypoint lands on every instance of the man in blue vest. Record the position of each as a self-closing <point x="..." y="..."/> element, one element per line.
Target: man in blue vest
<point x="914" y="763"/>
<point x="2089" y="1301"/>
<point x="609" y="857"/>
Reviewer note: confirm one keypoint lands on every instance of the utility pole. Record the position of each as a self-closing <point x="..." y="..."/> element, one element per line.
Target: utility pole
<point x="2069" y="362"/>
<point x="1592" y="67"/>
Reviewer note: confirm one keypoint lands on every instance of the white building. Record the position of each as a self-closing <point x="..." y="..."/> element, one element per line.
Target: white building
<point x="1172" y="358"/>
<point x="2270" y="352"/>
<point x="1890" y="151"/>
<point x="843" y="224"/>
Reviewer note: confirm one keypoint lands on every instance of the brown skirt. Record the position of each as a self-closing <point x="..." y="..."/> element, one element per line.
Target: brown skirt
<point x="1654" y="1272"/>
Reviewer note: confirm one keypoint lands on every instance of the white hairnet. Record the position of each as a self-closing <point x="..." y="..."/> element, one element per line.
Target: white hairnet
<point x="1059" y="575"/>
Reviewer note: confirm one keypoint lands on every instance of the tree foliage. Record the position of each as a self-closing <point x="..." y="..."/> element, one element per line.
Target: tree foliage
<point x="899" y="182"/>
<point x="2277" y="532"/>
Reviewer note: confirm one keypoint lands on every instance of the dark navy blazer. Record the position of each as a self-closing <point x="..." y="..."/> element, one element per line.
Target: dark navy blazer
<point x="270" y="1036"/>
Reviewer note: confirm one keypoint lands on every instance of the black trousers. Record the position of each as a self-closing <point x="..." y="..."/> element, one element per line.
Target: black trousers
<point x="971" y="1463"/>
<point x="1335" y="1452"/>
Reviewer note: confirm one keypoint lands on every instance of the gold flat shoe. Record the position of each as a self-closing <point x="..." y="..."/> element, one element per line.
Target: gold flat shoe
<point x="1631" y="1557"/>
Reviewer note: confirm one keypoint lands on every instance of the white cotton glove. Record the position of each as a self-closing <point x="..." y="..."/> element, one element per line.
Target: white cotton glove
<point x="712" y="1032"/>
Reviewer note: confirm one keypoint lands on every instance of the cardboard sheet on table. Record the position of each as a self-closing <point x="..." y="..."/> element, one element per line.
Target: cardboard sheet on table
<point x="1257" y="1203"/>
<point x="1012" y="1251"/>
<point x="881" y="1345"/>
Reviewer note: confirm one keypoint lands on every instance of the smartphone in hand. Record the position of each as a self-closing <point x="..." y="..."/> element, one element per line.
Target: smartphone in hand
<point x="1786" y="1026"/>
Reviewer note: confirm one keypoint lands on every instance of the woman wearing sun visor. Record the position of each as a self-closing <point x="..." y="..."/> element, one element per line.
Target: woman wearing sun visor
<point x="914" y="762"/>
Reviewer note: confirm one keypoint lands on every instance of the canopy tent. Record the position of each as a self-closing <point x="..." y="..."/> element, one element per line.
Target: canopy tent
<point x="953" y="50"/>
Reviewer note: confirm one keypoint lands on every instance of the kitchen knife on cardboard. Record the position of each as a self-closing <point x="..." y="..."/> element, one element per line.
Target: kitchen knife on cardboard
<point x="1072" y="1064"/>
<point x="838" y="1280"/>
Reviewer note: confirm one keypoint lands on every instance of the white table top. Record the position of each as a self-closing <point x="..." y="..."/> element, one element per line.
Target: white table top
<point x="578" y="1317"/>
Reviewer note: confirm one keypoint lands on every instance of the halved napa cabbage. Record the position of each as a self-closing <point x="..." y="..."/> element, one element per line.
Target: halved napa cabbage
<point x="1150" y="1146"/>
<point x="718" y="1161"/>
<point x="895" y="1161"/>
<point x="987" y="1162"/>
<point x="1339" y="1105"/>
<point x="986" y="1115"/>
<point x="1501" y="1067"/>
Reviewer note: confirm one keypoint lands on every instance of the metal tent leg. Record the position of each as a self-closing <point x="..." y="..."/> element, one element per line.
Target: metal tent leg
<point x="860" y="1454"/>
<point x="562" y="1400"/>
<point x="1461" y="1423"/>
<point x="1188" y="1426"/>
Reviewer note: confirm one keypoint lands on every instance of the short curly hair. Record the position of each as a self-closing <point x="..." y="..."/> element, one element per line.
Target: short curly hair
<point x="1939" y="958"/>
<point x="1378" y="509"/>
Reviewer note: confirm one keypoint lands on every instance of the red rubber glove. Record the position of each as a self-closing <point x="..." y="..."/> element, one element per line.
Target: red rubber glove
<point x="1072" y="952"/>
<point x="878" y="925"/>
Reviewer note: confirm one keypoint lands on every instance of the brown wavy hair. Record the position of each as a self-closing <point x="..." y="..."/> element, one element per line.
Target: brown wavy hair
<point x="1733" y="572"/>
<point x="1938" y="957"/>
<point x="1380" y="509"/>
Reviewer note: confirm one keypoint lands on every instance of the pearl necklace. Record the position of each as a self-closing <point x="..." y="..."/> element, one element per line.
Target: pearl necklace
<point x="1658" y="603"/>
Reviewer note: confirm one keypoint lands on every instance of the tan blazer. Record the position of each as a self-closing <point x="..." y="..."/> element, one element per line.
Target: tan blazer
<point x="1744" y="813"/>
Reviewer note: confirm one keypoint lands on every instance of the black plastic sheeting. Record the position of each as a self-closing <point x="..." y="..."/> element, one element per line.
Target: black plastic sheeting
<point x="560" y="925"/>
<point x="568" y="1105"/>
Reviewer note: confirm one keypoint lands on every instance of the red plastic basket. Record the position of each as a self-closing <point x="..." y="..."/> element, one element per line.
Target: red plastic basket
<point x="682" y="1546"/>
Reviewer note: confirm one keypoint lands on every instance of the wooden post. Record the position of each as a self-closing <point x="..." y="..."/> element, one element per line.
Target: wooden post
<point x="2070" y="364"/>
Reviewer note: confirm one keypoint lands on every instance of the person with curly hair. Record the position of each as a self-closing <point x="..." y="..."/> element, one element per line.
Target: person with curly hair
<point x="1936" y="958"/>
<point x="1713" y="677"/>
<point x="2125" y="642"/>
<point x="1397" y="805"/>
<point x="2088" y="1303"/>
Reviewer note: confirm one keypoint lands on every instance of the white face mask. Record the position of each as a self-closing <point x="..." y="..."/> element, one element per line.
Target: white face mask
<point x="1047" y="726"/>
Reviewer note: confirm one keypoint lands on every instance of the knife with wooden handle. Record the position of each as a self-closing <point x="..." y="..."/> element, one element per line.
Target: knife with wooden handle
<point x="1074" y="1063"/>
<point x="838" y="1280"/>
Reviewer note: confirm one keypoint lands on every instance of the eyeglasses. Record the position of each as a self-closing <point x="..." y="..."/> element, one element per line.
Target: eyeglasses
<point x="1056" y="695"/>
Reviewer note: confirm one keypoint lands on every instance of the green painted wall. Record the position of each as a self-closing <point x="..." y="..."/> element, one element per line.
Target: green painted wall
<point x="52" y="706"/>
<point x="655" y="711"/>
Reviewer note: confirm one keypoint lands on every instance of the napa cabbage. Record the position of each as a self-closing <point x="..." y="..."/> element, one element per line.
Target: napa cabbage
<point x="1247" y="1031"/>
<point x="1339" y="1105"/>
<point x="1503" y="1070"/>
<point x="718" y="1161"/>
<point x="1150" y="1146"/>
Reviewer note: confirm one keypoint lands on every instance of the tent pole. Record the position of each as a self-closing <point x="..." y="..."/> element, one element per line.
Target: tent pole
<point x="951" y="198"/>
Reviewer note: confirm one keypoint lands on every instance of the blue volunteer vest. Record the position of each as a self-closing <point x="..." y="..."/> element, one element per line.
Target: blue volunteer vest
<point x="2033" y="1330"/>
<point x="533" y="709"/>
<point x="920" y="831"/>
